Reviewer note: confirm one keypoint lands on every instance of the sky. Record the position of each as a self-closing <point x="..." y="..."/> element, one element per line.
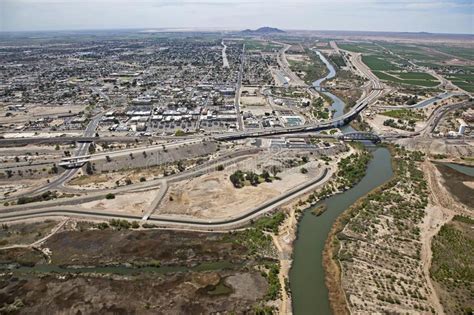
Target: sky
<point x="436" y="16"/>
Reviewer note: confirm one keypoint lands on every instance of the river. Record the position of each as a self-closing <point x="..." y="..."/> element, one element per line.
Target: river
<point x="307" y="277"/>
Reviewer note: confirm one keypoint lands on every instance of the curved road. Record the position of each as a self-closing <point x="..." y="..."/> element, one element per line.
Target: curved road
<point x="232" y="222"/>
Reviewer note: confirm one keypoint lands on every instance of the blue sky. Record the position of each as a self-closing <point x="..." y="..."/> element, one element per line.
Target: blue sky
<point x="440" y="16"/>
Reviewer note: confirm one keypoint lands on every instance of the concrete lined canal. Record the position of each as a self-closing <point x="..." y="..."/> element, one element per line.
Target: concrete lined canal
<point x="307" y="277"/>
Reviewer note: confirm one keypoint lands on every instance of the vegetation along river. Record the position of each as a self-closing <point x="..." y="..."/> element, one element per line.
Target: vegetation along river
<point x="307" y="278"/>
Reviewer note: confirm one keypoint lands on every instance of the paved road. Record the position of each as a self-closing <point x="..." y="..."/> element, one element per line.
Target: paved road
<point x="170" y="221"/>
<point x="424" y="103"/>
<point x="285" y="67"/>
<point x="81" y="150"/>
<point x="225" y="61"/>
<point x="240" y="123"/>
<point x="226" y="159"/>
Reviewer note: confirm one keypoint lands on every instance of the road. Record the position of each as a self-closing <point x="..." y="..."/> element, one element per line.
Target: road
<point x="438" y="98"/>
<point x="81" y="150"/>
<point x="240" y="123"/>
<point x="225" y="62"/>
<point x="285" y="66"/>
<point x="374" y="91"/>
<point x="171" y="221"/>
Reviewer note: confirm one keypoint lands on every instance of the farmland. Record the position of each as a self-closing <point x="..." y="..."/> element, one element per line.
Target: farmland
<point x="409" y="78"/>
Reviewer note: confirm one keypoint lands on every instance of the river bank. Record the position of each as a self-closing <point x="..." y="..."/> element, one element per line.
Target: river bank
<point x="378" y="253"/>
<point x="332" y="268"/>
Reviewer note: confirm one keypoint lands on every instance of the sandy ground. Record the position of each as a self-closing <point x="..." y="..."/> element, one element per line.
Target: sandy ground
<point x="299" y="58"/>
<point x="257" y="110"/>
<point x="214" y="196"/>
<point x="35" y="112"/>
<point x="441" y="209"/>
<point x="253" y="100"/>
<point x="133" y="203"/>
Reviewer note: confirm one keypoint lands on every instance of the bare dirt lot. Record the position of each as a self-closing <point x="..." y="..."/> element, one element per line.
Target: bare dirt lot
<point x="134" y="203"/>
<point x="214" y="196"/>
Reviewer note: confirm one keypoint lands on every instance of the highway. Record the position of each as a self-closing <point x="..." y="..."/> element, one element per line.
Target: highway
<point x="375" y="90"/>
<point x="237" y="90"/>
<point x="438" y="98"/>
<point x="285" y="67"/>
<point x="81" y="150"/>
<point x="59" y="208"/>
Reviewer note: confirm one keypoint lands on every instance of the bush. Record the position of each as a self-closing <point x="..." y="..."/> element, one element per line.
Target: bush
<point x="135" y="225"/>
<point x="110" y="196"/>
<point x="120" y="224"/>
<point x="304" y="170"/>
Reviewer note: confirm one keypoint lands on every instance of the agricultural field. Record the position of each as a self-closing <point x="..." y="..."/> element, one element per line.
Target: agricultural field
<point x="464" y="81"/>
<point x="377" y="63"/>
<point x="452" y="265"/>
<point x="409" y="78"/>
<point x="358" y="47"/>
<point x="455" y="51"/>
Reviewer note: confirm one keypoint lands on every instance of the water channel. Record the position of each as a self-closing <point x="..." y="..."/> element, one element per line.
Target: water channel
<point x="307" y="277"/>
<point x="465" y="169"/>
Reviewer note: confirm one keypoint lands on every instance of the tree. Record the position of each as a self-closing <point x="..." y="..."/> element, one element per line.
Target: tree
<point x="91" y="148"/>
<point x="274" y="170"/>
<point x="89" y="169"/>
<point x="110" y="196"/>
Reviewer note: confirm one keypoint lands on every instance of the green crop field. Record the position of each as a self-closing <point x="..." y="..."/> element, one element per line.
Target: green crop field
<point x="391" y="78"/>
<point x="464" y="81"/>
<point x="358" y="47"/>
<point x="461" y="52"/>
<point x="416" y="76"/>
<point x="375" y="63"/>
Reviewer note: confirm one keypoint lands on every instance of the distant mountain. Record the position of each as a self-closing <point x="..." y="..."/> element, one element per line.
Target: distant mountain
<point x="263" y="30"/>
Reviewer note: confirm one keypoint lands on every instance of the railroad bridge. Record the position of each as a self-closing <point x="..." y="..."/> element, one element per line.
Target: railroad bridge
<point x="359" y="136"/>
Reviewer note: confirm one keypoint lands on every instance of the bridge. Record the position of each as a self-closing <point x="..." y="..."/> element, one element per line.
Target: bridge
<point x="359" y="136"/>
